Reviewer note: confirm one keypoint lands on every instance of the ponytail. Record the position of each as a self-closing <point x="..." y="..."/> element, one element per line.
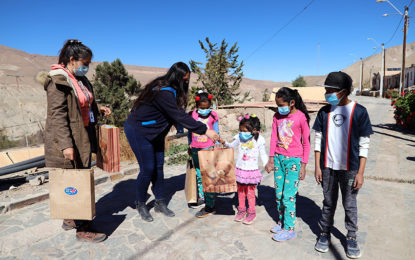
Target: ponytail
<point x="73" y="48"/>
<point x="299" y="104"/>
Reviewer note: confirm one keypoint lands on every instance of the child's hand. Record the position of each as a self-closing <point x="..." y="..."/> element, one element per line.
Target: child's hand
<point x="270" y="165"/>
<point x="303" y="171"/>
<point x="358" y="181"/>
<point x="223" y="142"/>
<point x="189" y="151"/>
<point x="318" y="175"/>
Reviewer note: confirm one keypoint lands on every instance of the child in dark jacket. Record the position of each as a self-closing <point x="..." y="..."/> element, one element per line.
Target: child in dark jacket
<point x="342" y="137"/>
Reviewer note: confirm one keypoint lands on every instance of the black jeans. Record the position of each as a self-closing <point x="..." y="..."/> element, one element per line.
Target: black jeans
<point x="150" y="157"/>
<point x="332" y="179"/>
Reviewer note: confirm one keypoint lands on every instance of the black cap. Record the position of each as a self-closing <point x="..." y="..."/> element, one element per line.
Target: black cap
<point x="338" y="80"/>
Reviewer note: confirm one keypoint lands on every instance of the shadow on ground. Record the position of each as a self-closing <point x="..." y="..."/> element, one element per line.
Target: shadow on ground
<point x="6" y="183"/>
<point x="395" y="128"/>
<point x="307" y="210"/>
<point x="123" y="195"/>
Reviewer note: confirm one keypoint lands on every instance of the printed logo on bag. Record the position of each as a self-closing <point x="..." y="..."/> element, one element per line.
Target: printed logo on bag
<point x="71" y="191"/>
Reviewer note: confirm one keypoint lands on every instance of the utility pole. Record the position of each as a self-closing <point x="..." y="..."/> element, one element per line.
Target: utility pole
<point x="405" y="27"/>
<point x="361" y="75"/>
<point x="370" y="78"/>
<point x="382" y="76"/>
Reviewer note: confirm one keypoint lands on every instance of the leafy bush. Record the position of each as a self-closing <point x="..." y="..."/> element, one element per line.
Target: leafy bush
<point x="393" y="94"/>
<point x="178" y="159"/>
<point x="299" y="82"/>
<point x="265" y="95"/>
<point x="405" y="110"/>
<point x="5" y="143"/>
<point x="176" y="149"/>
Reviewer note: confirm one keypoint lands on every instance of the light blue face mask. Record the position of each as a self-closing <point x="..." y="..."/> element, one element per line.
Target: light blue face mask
<point x="332" y="98"/>
<point x="284" y="110"/>
<point x="204" y="112"/>
<point x="81" y="71"/>
<point x="245" y="136"/>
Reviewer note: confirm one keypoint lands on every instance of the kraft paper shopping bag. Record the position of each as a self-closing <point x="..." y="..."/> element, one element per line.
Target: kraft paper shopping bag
<point x="190" y="185"/>
<point x="218" y="170"/>
<point x="72" y="194"/>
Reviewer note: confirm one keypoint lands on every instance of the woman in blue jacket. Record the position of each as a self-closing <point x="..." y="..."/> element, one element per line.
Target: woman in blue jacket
<point x="160" y="105"/>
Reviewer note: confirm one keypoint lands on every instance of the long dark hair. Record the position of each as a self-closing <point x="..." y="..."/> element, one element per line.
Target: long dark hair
<point x="73" y="48"/>
<point x="288" y="94"/>
<point x="173" y="78"/>
<point x="251" y="123"/>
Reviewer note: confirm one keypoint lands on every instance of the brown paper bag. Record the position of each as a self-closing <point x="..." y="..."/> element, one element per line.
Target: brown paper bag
<point x="72" y="194"/>
<point x="218" y="170"/>
<point x="190" y="185"/>
<point x="108" y="156"/>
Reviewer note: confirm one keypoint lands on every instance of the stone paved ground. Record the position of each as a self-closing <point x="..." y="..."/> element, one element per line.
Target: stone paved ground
<point x="386" y="213"/>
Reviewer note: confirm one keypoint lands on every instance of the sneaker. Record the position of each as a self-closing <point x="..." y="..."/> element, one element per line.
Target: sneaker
<point x="284" y="235"/>
<point x="205" y="211"/>
<point x="276" y="229"/>
<point x="323" y="243"/>
<point x="200" y="203"/>
<point x="250" y="217"/>
<point x="68" y="224"/>
<point x="352" y="248"/>
<point x="240" y="215"/>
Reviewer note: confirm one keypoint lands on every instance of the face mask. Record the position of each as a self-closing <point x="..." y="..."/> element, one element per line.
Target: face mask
<point x="204" y="112"/>
<point x="332" y="98"/>
<point x="284" y="110"/>
<point x="81" y="71"/>
<point x="245" y="136"/>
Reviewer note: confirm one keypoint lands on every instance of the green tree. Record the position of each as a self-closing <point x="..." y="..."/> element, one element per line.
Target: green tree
<point x="299" y="82"/>
<point x="115" y="88"/>
<point x="192" y="95"/>
<point x="265" y="95"/>
<point x="222" y="74"/>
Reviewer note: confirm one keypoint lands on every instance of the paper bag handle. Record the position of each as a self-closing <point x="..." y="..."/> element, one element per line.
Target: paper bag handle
<point x="66" y="160"/>
<point x="221" y="146"/>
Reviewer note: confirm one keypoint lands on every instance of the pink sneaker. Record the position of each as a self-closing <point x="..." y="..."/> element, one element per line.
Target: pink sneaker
<point x="250" y="217"/>
<point x="240" y="215"/>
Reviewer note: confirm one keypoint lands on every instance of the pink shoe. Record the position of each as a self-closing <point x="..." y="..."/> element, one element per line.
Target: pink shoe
<point x="240" y="215"/>
<point x="250" y="217"/>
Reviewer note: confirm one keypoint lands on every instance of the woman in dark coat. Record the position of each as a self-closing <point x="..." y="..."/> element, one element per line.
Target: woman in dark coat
<point x="159" y="106"/>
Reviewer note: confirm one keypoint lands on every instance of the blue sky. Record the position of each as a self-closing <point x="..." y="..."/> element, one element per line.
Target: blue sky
<point x="158" y="33"/>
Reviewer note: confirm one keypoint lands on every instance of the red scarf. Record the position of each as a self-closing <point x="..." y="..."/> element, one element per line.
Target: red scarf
<point x="81" y="92"/>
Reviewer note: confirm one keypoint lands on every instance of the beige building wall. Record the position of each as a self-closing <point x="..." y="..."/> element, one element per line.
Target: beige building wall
<point x="307" y="93"/>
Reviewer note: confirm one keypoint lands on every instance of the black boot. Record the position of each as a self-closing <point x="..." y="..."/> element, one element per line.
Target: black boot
<point x="160" y="206"/>
<point x="143" y="211"/>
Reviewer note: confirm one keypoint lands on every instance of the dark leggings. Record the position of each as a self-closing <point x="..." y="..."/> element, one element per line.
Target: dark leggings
<point x="150" y="157"/>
